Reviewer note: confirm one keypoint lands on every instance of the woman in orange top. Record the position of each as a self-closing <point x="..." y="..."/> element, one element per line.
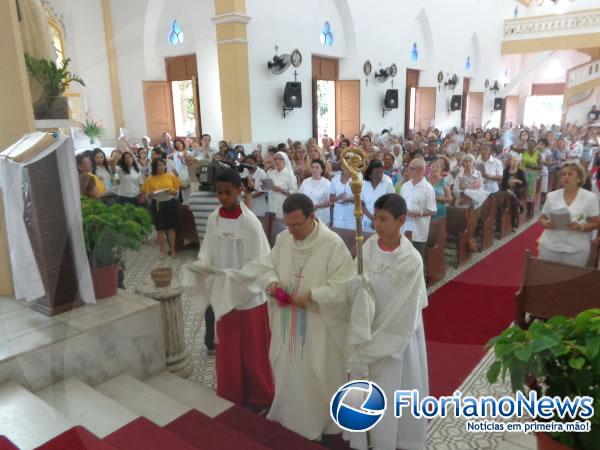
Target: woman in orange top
<point x="162" y="188"/>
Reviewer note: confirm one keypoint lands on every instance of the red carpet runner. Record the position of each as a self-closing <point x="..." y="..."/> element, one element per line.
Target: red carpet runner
<point x="472" y="308"/>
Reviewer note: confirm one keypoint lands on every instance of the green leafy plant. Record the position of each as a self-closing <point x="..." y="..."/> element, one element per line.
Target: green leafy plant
<point x="559" y="357"/>
<point x="92" y="128"/>
<point x="54" y="80"/>
<point x="109" y="230"/>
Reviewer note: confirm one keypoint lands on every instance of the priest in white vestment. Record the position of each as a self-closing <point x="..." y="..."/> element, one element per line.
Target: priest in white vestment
<point x="313" y="265"/>
<point x="390" y="349"/>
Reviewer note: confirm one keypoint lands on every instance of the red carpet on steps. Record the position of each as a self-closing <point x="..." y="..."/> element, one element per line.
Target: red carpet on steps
<point x="209" y="434"/>
<point x="76" y="438"/>
<point x="5" y="444"/>
<point x="267" y="432"/>
<point x="141" y="434"/>
<point x="472" y="308"/>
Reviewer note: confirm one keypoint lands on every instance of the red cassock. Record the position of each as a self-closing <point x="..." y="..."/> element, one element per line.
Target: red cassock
<point x="243" y="368"/>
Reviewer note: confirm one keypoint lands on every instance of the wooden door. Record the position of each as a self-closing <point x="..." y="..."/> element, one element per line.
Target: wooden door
<point x="474" y="109"/>
<point x="425" y="108"/>
<point x="510" y="110"/>
<point x="158" y="105"/>
<point x="347" y="107"/>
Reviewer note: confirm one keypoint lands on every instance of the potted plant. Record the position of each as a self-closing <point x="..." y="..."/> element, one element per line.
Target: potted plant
<point x="108" y="231"/>
<point x="54" y="81"/>
<point x="559" y="357"/>
<point x="92" y="128"/>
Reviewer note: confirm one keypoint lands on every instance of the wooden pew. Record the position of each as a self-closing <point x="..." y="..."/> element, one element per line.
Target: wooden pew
<point x="277" y="227"/>
<point x="349" y="238"/>
<point x="503" y="207"/>
<point x="436" y="245"/>
<point x="267" y="223"/>
<point x="186" y="230"/>
<point x="487" y="215"/>
<point x="551" y="289"/>
<point x="458" y="228"/>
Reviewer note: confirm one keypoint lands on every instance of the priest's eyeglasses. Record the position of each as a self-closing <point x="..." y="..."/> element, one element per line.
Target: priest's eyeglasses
<point x="297" y="226"/>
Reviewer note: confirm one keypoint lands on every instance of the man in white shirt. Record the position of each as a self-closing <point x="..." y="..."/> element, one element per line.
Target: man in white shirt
<point x="491" y="169"/>
<point x="420" y="202"/>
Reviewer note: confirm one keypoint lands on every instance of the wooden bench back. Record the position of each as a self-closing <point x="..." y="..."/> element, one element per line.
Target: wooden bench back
<point x="349" y="238"/>
<point x="551" y="289"/>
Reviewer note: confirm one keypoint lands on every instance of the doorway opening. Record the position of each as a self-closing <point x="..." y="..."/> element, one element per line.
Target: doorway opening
<point x="412" y="110"/>
<point x="543" y="110"/>
<point x="184" y="108"/>
<point x="325" y="109"/>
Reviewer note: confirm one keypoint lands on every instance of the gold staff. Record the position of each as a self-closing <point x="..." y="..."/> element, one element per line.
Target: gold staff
<point x="356" y="162"/>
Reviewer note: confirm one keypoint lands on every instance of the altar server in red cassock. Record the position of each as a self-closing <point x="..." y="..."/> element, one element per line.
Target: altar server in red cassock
<point x="234" y="236"/>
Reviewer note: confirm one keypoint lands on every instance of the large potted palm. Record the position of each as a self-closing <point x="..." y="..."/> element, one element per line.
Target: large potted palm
<point x="108" y="231"/>
<point x="559" y="357"/>
<point x="54" y="81"/>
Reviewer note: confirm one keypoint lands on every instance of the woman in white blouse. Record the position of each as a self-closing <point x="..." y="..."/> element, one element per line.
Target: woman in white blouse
<point x="284" y="183"/>
<point x="570" y="245"/>
<point x="317" y="189"/>
<point x="342" y="198"/>
<point x="376" y="184"/>
<point x="128" y="180"/>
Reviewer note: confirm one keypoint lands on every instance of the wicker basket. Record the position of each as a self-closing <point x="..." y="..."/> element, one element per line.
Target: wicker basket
<point x="162" y="276"/>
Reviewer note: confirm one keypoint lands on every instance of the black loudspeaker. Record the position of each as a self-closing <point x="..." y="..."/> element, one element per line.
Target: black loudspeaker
<point x="498" y="103"/>
<point x="391" y="99"/>
<point x="456" y="103"/>
<point x="292" y="95"/>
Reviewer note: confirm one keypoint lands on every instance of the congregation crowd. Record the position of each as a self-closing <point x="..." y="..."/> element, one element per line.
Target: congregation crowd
<point x="459" y="168"/>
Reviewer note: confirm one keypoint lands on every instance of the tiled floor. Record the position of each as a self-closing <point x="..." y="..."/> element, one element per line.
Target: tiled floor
<point x="443" y="434"/>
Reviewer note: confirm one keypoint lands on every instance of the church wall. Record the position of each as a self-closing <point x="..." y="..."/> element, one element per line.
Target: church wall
<point x="446" y="33"/>
<point x="381" y="34"/>
<point x="85" y="44"/>
<point x="555" y="70"/>
<point x="141" y="29"/>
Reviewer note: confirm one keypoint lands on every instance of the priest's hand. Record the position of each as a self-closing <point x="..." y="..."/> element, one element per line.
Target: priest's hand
<point x="301" y="300"/>
<point x="271" y="288"/>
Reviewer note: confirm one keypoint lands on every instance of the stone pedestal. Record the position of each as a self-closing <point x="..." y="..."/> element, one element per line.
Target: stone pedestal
<point x="178" y="358"/>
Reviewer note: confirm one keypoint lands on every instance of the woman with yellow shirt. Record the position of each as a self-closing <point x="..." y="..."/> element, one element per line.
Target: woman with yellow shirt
<point x="89" y="184"/>
<point x="531" y="163"/>
<point x="162" y="189"/>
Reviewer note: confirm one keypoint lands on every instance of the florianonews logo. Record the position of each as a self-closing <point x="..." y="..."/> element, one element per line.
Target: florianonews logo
<point x="358" y="405"/>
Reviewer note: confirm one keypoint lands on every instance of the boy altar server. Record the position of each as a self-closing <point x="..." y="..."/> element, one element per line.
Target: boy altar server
<point x="234" y="236"/>
<point x="392" y="353"/>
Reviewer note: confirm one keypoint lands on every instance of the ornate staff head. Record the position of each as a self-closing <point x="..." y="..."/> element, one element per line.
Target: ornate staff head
<point x="356" y="161"/>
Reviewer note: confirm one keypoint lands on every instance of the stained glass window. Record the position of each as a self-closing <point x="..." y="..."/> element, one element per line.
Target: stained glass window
<point x="468" y="64"/>
<point x="326" y="35"/>
<point x="414" y="53"/>
<point x="176" y="33"/>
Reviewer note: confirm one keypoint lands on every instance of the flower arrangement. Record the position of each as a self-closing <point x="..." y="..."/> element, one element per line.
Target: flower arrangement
<point x="92" y="128"/>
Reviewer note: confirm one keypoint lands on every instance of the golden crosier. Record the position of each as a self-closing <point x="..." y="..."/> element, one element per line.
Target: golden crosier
<point x="356" y="161"/>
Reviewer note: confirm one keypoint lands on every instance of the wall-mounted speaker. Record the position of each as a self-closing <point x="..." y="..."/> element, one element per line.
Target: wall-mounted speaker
<point x="391" y="99"/>
<point x="498" y="101"/>
<point x="292" y="95"/>
<point x="456" y="103"/>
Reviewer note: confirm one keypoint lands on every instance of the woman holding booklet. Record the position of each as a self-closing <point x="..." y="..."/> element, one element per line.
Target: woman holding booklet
<point x="568" y="216"/>
<point x="162" y="188"/>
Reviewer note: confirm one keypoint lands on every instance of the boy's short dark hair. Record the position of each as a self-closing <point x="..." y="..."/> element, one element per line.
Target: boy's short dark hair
<point x="251" y="157"/>
<point x="230" y="176"/>
<point x="282" y="147"/>
<point x="298" y="202"/>
<point x="392" y="203"/>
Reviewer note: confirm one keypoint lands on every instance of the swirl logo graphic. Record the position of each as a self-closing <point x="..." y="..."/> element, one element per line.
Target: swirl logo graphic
<point x="358" y="405"/>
